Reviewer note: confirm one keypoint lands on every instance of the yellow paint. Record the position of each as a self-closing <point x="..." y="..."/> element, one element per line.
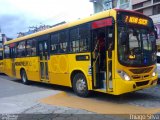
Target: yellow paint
<point x="1" y="66"/>
<point x="1" y="62"/>
<point x="97" y="106"/>
<point x="61" y="67"/>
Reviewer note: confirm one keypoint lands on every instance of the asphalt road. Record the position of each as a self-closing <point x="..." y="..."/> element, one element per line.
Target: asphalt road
<point x="16" y="98"/>
<point x="11" y="87"/>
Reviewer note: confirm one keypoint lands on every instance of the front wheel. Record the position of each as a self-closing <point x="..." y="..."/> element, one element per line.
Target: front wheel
<point x="80" y="86"/>
<point x="24" y="77"/>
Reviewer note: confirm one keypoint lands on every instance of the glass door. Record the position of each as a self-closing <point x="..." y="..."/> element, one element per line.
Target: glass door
<point x="44" y="57"/>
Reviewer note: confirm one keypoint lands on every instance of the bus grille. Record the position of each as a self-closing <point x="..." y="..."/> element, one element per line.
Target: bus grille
<point x="142" y="83"/>
<point x="142" y="70"/>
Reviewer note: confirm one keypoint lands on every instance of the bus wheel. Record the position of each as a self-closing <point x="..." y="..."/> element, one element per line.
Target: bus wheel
<point x="24" y="77"/>
<point x="80" y="85"/>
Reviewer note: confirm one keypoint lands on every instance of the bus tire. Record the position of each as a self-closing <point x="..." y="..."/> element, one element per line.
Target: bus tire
<point x="24" y="77"/>
<point x="80" y="86"/>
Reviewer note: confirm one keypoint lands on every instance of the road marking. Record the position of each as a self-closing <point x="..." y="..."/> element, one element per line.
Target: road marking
<point x="97" y="106"/>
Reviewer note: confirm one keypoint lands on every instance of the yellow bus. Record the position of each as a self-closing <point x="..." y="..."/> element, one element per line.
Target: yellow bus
<point x="111" y="52"/>
<point x="1" y="60"/>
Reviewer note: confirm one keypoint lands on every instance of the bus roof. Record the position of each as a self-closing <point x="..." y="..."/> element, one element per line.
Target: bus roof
<point x="96" y="16"/>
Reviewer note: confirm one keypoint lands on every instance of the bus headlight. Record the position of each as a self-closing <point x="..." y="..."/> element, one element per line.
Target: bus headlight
<point x="154" y="72"/>
<point x="124" y="75"/>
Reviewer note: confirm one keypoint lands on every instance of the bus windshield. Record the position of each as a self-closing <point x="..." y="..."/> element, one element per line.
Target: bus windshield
<point x="136" y="46"/>
<point x="136" y="39"/>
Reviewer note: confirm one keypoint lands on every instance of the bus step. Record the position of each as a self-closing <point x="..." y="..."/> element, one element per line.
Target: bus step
<point x="104" y="84"/>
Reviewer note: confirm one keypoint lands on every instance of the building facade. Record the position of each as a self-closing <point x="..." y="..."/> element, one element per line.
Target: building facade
<point x="150" y="8"/>
<point x="101" y="5"/>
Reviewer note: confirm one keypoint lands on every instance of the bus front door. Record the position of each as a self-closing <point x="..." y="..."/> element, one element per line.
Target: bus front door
<point x="101" y="60"/>
<point x="44" y="57"/>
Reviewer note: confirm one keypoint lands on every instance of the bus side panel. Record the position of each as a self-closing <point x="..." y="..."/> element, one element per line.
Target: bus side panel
<point x="8" y="67"/>
<point x="81" y="65"/>
<point x="1" y="66"/>
<point x="30" y="65"/>
<point x="58" y="67"/>
<point x="62" y="66"/>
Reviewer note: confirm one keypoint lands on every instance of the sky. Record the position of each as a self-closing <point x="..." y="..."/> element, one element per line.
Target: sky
<point x="18" y="15"/>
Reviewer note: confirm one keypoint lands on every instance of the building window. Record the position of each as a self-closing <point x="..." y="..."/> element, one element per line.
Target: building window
<point x="156" y="9"/>
<point x="141" y="11"/>
<point x="139" y="5"/>
<point x="156" y="1"/>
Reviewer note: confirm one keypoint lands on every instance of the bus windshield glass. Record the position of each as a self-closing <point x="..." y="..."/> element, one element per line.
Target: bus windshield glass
<point x="136" y="41"/>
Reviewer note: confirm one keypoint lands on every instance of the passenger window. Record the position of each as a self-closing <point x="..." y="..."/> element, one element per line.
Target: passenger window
<point x="21" y="49"/>
<point x="1" y="55"/>
<point x="31" y="47"/>
<point x="74" y="39"/>
<point x="59" y="42"/>
<point x="79" y="38"/>
<point x="6" y="51"/>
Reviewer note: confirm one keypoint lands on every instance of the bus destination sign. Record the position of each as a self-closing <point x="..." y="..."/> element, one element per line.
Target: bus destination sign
<point x="136" y="20"/>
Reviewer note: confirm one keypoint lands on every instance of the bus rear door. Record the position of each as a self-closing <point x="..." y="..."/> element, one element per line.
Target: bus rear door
<point x="13" y="55"/>
<point x="44" y="57"/>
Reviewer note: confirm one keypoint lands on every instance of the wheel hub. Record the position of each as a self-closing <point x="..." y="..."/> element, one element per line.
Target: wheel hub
<point x="81" y="85"/>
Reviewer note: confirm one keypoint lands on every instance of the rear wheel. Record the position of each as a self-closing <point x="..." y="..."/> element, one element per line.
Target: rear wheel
<point x="24" y="77"/>
<point x="80" y="86"/>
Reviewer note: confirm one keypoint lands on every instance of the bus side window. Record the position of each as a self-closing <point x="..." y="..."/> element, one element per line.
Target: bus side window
<point x="6" y="52"/>
<point x="1" y="55"/>
<point x="74" y="40"/>
<point x="54" y="43"/>
<point x="84" y="34"/>
<point x="31" y="47"/>
<point x="21" y="49"/>
<point x="63" y="42"/>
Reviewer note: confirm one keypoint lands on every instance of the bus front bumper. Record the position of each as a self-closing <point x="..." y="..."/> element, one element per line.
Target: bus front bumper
<point x="123" y="86"/>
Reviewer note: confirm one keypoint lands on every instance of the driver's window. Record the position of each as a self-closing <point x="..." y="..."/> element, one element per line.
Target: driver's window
<point x="123" y="42"/>
<point x="133" y="39"/>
